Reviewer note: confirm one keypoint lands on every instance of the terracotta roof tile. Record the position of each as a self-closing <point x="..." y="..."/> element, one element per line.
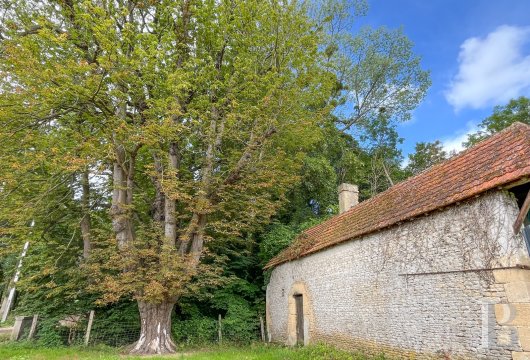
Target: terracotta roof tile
<point x="501" y="159"/>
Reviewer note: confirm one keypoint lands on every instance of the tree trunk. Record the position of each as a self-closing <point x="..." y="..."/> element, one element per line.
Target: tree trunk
<point x="85" y="220"/>
<point x="387" y="174"/>
<point x="170" y="221"/>
<point x="155" y="334"/>
<point x="119" y="212"/>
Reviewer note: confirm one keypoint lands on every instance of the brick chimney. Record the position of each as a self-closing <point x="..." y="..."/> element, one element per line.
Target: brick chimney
<point x="348" y="197"/>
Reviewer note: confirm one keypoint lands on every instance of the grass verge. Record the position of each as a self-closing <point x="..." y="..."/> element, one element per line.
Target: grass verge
<point x="27" y="351"/>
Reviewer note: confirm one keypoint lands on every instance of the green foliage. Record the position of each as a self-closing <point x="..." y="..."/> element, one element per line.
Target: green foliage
<point x="239" y="300"/>
<point x="197" y="331"/>
<point x="425" y="155"/>
<point x="7" y="269"/>
<point x="49" y="333"/>
<point x="377" y="73"/>
<point x="517" y="110"/>
<point x="277" y="238"/>
<point x="96" y="86"/>
<point x="319" y="179"/>
<point x="381" y="140"/>
<point x="241" y="324"/>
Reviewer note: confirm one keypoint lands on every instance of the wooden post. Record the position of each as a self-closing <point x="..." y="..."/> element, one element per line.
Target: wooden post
<point x="21" y="322"/>
<point x="262" y="326"/>
<point x="33" y="327"/>
<point x="522" y="214"/>
<point x="89" y="327"/>
<point x="220" y="333"/>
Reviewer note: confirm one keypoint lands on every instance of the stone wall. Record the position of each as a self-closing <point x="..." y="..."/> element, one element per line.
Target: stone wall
<point x="420" y="289"/>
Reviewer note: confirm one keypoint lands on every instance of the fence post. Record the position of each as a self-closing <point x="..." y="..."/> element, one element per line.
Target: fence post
<point x="220" y="333"/>
<point x="33" y="326"/>
<point x="262" y="327"/>
<point x="21" y="322"/>
<point x="89" y="327"/>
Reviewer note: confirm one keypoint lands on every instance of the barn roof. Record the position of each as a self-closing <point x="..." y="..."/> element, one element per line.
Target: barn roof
<point x="499" y="160"/>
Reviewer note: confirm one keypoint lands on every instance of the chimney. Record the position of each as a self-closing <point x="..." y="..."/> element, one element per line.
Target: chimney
<point x="348" y="197"/>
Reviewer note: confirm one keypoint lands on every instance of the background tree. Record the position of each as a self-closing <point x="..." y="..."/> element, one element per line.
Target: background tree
<point x="502" y="117"/>
<point x="379" y="82"/>
<point x="425" y="155"/>
<point x="377" y="72"/>
<point x="380" y="76"/>
<point x="381" y="140"/>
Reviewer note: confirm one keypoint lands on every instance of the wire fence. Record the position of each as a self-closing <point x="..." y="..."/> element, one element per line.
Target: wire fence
<point x="117" y="335"/>
<point x="76" y="330"/>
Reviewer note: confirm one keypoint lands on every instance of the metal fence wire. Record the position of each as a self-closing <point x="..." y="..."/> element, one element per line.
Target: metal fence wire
<point x="72" y="331"/>
<point x="115" y="335"/>
<point x="58" y="331"/>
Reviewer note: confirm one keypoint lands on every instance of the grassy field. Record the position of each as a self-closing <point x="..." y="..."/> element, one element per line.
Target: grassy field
<point x="256" y="352"/>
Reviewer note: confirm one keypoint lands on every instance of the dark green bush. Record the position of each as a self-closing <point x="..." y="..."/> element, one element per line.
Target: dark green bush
<point x="241" y="325"/>
<point x="196" y="331"/>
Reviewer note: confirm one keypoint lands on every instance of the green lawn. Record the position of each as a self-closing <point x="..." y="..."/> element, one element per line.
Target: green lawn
<point x="254" y="352"/>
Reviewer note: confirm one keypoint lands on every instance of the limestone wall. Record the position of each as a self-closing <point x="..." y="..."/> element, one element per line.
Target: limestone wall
<point x="415" y="289"/>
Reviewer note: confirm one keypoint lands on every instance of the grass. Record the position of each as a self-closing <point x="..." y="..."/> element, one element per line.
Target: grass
<point x="27" y="351"/>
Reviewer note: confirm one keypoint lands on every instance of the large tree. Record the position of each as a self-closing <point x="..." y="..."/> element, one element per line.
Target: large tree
<point x="187" y="119"/>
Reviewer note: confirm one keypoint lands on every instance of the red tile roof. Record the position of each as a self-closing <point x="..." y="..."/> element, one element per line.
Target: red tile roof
<point x="499" y="160"/>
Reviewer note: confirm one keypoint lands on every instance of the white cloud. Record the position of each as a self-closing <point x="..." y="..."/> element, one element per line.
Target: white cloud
<point x="454" y="142"/>
<point x="492" y="70"/>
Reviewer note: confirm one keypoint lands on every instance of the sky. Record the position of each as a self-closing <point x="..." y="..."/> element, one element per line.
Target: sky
<point x="478" y="53"/>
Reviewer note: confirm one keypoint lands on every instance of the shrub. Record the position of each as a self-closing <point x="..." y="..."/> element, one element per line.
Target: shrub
<point x="196" y="331"/>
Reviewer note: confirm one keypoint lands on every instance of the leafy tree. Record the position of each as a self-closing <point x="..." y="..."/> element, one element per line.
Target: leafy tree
<point x="426" y="154"/>
<point x="379" y="82"/>
<point x="179" y="112"/>
<point x="377" y="72"/>
<point x="517" y="110"/>
<point x="383" y="157"/>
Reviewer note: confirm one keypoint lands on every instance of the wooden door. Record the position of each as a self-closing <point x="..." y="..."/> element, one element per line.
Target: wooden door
<point x="299" y="319"/>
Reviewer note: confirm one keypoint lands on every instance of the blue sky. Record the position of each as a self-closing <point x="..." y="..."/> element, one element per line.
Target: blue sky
<point x="478" y="52"/>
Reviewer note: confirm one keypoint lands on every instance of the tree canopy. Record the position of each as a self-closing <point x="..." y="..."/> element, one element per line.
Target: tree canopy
<point x="426" y="154"/>
<point x="517" y="110"/>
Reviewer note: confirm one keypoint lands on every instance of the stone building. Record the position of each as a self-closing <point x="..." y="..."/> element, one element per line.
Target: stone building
<point x="434" y="267"/>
